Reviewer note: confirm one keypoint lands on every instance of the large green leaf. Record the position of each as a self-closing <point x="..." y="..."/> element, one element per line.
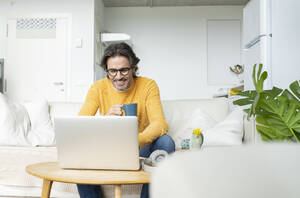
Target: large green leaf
<point x="268" y="104"/>
<point x="258" y="72"/>
<point x="250" y="94"/>
<point x="255" y="106"/>
<point x="297" y="128"/>
<point x="289" y="95"/>
<point x="274" y="92"/>
<point x="266" y="131"/>
<point x="261" y="120"/>
<point x="282" y="107"/>
<point x="259" y="79"/>
<point x="243" y="101"/>
<point x="254" y="76"/>
<point x="292" y="116"/>
<point x="272" y="123"/>
<point x="249" y="97"/>
<point x="268" y="134"/>
<point x="295" y="88"/>
<point x="284" y="115"/>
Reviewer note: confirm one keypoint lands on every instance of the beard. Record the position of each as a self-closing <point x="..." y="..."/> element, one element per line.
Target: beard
<point x="122" y="84"/>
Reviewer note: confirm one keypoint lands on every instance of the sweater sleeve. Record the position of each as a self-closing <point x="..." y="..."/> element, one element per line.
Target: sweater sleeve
<point x="157" y="124"/>
<point x="91" y="103"/>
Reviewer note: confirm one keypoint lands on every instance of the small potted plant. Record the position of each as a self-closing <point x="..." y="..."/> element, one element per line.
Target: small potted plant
<point x="197" y="139"/>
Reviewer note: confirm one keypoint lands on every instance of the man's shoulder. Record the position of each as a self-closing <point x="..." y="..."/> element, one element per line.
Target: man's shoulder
<point x="145" y="81"/>
<point x="100" y="84"/>
<point x="146" y="84"/>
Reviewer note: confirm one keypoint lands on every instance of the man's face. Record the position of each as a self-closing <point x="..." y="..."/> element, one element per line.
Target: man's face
<point x="120" y="72"/>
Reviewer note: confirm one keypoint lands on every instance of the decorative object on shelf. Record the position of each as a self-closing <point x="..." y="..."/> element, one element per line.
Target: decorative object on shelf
<point x="185" y="144"/>
<point x="221" y="92"/>
<point x="276" y="111"/>
<point x="238" y="70"/>
<point x="235" y="90"/>
<point x="197" y="139"/>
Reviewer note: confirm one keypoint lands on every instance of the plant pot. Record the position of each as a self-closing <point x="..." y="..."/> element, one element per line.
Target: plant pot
<point x="196" y="141"/>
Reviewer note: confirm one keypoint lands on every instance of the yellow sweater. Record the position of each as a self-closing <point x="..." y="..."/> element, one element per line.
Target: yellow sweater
<point x="144" y="92"/>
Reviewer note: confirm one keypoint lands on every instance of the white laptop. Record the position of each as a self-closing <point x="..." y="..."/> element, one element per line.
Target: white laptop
<point x="97" y="142"/>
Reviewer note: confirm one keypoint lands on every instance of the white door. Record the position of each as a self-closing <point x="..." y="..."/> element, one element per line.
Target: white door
<point x="285" y="42"/>
<point x="37" y="58"/>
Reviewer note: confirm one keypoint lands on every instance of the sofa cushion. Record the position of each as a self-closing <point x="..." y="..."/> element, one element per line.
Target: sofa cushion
<point x="198" y="119"/>
<point x="42" y="132"/>
<point x="64" y="109"/>
<point x="38" y="111"/>
<point x="178" y="112"/>
<point x="226" y="132"/>
<point x="14" y="123"/>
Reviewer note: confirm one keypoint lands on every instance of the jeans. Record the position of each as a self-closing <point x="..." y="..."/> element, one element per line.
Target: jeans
<point x="89" y="191"/>
<point x="164" y="142"/>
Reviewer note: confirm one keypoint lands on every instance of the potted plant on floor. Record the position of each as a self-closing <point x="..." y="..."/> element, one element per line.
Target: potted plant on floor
<point x="276" y="111"/>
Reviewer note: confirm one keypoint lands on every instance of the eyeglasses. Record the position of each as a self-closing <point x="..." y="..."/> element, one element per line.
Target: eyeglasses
<point x="113" y="72"/>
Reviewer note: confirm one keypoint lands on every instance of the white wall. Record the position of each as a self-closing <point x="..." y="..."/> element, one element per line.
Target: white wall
<point x="285" y="42"/>
<point x="82" y="12"/>
<point x="171" y="43"/>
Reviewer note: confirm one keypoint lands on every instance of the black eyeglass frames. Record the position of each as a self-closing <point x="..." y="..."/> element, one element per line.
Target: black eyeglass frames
<point x="123" y="71"/>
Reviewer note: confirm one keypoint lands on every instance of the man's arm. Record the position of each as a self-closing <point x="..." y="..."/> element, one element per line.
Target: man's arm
<point x="157" y="124"/>
<point x="91" y="103"/>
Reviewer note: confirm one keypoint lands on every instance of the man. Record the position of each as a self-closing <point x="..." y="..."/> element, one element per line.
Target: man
<point x="122" y="86"/>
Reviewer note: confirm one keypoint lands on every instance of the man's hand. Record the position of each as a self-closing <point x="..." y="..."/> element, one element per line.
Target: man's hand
<point x="115" y="110"/>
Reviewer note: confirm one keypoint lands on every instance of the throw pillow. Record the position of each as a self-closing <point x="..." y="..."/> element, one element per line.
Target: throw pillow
<point x="14" y="123"/>
<point x="227" y="132"/>
<point x="42" y="131"/>
<point x="38" y="112"/>
<point x="199" y="119"/>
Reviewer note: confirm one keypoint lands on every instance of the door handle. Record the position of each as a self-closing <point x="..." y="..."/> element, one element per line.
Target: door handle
<point x="254" y="41"/>
<point x="58" y="83"/>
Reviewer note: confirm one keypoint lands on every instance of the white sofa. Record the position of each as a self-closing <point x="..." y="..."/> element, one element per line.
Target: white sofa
<point x="260" y="171"/>
<point x="15" y="182"/>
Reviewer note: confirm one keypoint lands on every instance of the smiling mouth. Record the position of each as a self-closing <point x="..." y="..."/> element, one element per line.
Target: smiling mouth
<point x="120" y="82"/>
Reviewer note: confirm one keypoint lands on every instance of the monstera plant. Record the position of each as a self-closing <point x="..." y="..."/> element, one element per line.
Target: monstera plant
<point x="276" y="111"/>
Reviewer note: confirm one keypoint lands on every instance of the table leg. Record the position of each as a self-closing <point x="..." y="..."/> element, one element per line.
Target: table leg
<point x="47" y="184"/>
<point x="118" y="193"/>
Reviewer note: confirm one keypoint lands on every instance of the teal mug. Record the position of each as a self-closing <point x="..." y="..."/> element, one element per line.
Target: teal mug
<point x="130" y="109"/>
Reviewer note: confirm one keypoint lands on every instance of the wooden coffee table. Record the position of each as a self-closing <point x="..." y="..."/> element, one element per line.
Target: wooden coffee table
<point x="50" y="172"/>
